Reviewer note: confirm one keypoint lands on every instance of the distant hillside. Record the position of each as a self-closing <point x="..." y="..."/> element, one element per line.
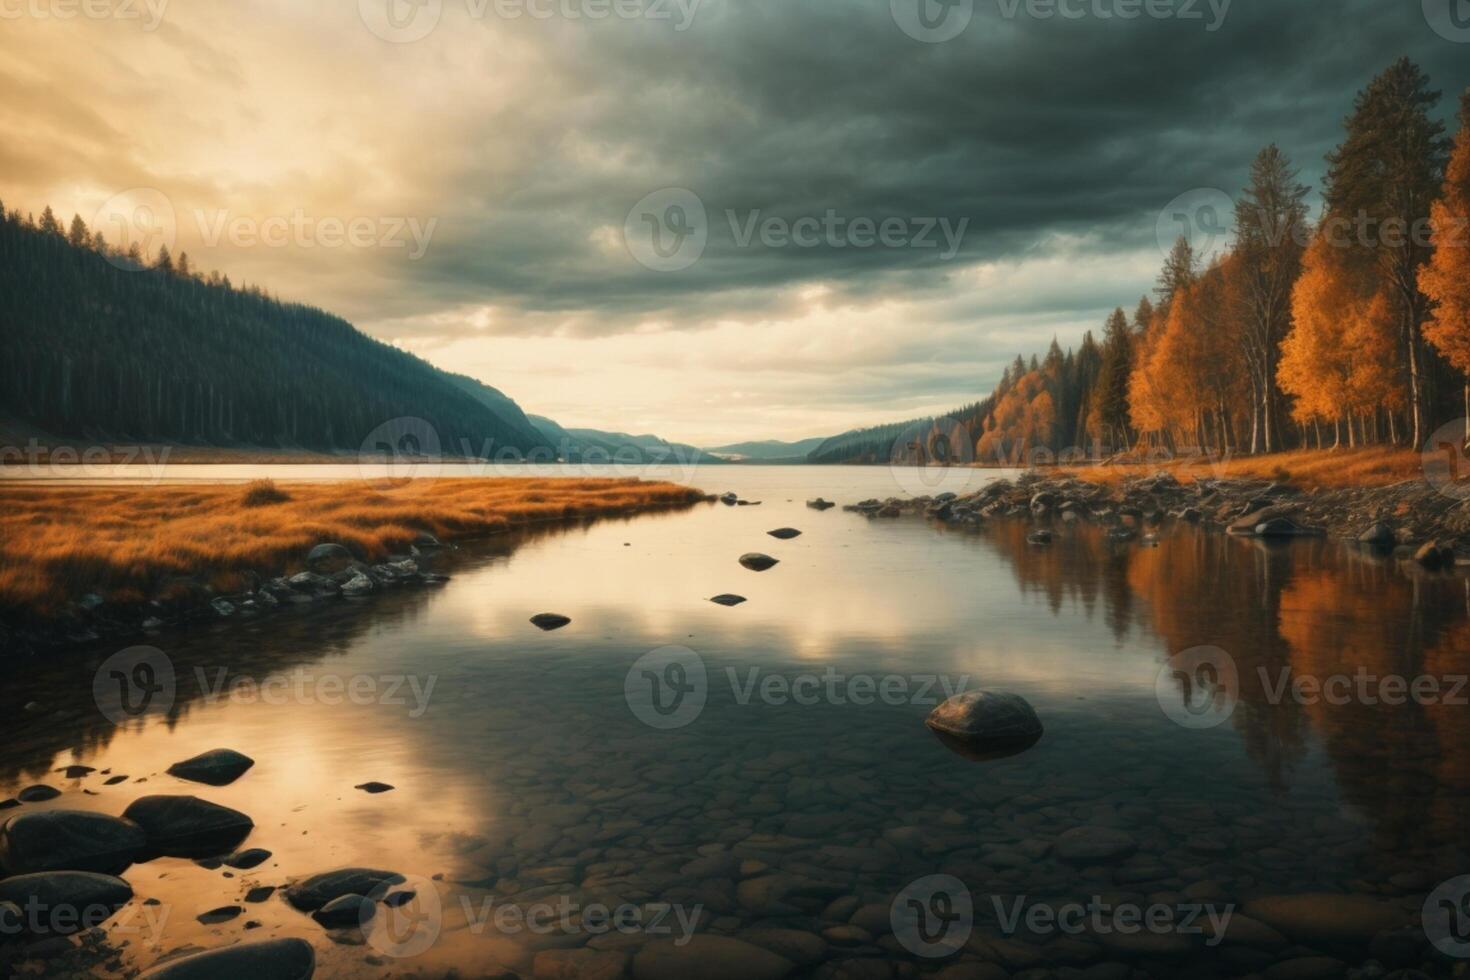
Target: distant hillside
<point x="596" y="446"/>
<point x="96" y="345"/>
<point x="769" y="450"/>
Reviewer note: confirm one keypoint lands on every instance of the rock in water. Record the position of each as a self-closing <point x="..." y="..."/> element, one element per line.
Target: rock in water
<point x="217" y="767"/>
<point x="785" y="533"/>
<point x="274" y="959"/>
<point x="67" y="901"/>
<point x="38" y="794"/>
<point x="245" y="860"/>
<point x="310" y="894"/>
<point x="728" y="599"/>
<point x="1431" y="554"/>
<point x="819" y="504"/>
<point x="757" y="562"/>
<point x="550" y="621"/>
<point x="74" y="840"/>
<point x="1042" y="536"/>
<point x="1380" y="535"/>
<point x="373" y="787"/>
<point x="345" y="911"/>
<point x="186" y="826"/>
<point x="1326" y="917"/>
<point x="1285" y="527"/>
<point x="986" y="724"/>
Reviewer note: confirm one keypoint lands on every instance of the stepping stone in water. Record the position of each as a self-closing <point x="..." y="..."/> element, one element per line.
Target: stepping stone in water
<point x="728" y="599"/>
<point x="217" y="767"/>
<point x="757" y="562"/>
<point x="245" y="860"/>
<point x="785" y="533"/>
<point x="288" y="959"/>
<point x="550" y="621"/>
<point x="186" y="826"/>
<point x="38" y="794"/>
<point x="69" y="840"/>
<point x="373" y="787"/>
<point x="222" y="914"/>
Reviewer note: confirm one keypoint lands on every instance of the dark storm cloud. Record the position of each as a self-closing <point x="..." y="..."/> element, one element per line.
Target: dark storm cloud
<point x="1023" y="128"/>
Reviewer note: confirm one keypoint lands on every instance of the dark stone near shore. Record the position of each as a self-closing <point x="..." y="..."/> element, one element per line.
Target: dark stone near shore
<point x="345" y="911"/>
<point x="222" y="914"/>
<point x="245" y="860"/>
<point x="273" y="959"/>
<point x="1431" y="554"/>
<point x="74" y="840"/>
<point x="1285" y="527"/>
<point x="310" y="894"/>
<point x="76" y="772"/>
<point x="65" y="901"/>
<point x="1041" y="536"/>
<point x="1380" y="535"/>
<point x="186" y="826"/>
<point x="328" y="558"/>
<point x="820" y="504"/>
<point x="785" y="533"/>
<point x="986" y="724"/>
<point x="549" y="621"/>
<point x="757" y="562"/>
<point x="728" y="599"/>
<point x="217" y="767"/>
<point x="38" y="794"/>
<point x="259" y="894"/>
<point x="373" y="787"/>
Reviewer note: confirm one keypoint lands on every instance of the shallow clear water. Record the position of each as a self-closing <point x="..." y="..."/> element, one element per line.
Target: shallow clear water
<point x="805" y="794"/>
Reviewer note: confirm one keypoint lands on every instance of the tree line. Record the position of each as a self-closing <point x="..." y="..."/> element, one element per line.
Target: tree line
<point x="1351" y="329"/>
<point x="104" y="342"/>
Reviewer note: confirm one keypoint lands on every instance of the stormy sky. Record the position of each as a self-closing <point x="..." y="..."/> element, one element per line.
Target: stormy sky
<point x="709" y="219"/>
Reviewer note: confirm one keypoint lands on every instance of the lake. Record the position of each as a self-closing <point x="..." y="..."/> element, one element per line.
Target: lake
<point x="583" y="800"/>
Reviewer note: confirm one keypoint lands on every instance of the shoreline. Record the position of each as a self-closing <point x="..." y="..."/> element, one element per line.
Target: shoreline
<point x="80" y="565"/>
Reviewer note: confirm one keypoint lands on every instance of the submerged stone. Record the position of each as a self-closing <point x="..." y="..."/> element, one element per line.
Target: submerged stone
<point x="276" y="959"/>
<point x="986" y="724"/>
<point x="69" y="840"/>
<point x="217" y="767"/>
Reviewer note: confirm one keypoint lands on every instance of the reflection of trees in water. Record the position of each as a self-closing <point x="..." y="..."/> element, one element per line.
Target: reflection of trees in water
<point x="1316" y="608"/>
<point x="276" y="643"/>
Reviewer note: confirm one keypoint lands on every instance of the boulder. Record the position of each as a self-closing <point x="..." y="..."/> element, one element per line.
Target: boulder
<point x="74" y="840"/>
<point x="550" y="621"/>
<point x="1285" y="527"/>
<point x="276" y="959"/>
<point x="186" y="826"/>
<point x="785" y="533"/>
<point x="1434" y="555"/>
<point x="310" y="894"/>
<point x="758" y="562"/>
<point x="247" y="859"/>
<point x="1380" y="535"/>
<point x="728" y="599"/>
<point x="217" y="767"/>
<point x="39" y="793"/>
<point x="358" y="583"/>
<point x="63" y="902"/>
<point x="986" y="724"/>
<point x="345" y="911"/>
<point x="328" y="558"/>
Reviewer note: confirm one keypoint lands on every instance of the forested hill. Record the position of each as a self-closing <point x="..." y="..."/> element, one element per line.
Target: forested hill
<point x="99" y="344"/>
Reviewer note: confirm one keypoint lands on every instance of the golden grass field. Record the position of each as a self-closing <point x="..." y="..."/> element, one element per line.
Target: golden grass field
<point x="58" y="543"/>
<point x="1310" y="469"/>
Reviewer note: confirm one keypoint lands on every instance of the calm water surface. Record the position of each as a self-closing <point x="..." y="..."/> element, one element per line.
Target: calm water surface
<point x="524" y="775"/>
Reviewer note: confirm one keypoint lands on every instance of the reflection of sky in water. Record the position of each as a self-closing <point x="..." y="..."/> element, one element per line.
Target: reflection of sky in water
<point x="518" y="719"/>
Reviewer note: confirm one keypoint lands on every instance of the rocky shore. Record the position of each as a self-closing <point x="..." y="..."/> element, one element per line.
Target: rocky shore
<point x="1409" y="520"/>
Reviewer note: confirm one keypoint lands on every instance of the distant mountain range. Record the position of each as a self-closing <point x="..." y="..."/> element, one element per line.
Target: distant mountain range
<point x="597" y="446"/>
<point x="768" y="450"/>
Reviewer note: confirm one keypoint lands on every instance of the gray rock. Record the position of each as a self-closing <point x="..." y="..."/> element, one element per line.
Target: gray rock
<point x="785" y="533"/>
<point x="310" y="894"/>
<point x="217" y="767"/>
<point x="186" y="826"/>
<point x="819" y="504"/>
<point x="550" y="621"/>
<point x="222" y="607"/>
<point x="274" y="959"/>
<point x="1380" y="535"/>
<point x="728" y="599"/>
<point x="357" y="584"/>
<point x="63" y="902"/>
<point x="986" y="724"/>
<point x="757" y="562"/>
<point x="328" y="558"/>
<point x="77" y="840"/>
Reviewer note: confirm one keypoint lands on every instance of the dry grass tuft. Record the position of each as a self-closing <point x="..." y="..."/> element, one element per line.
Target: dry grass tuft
<point x="1310" y="469"/>
<point x="58" y="543"/>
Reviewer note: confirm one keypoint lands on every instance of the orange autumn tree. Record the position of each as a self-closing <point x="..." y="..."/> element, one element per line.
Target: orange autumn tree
<point x="1446" y="279"/>
<point x="1336" y="361"/>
